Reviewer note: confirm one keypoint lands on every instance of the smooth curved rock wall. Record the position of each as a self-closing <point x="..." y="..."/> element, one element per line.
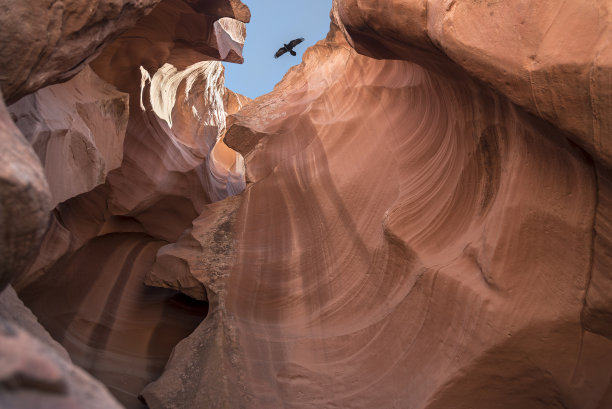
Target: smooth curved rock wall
<point x="427" y="229"/>
<point x="551" y="58"/>
<point x="409" y="238"/>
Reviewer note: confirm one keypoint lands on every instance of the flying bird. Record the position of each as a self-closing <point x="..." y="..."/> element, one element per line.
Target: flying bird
<point x="288" y="47"/>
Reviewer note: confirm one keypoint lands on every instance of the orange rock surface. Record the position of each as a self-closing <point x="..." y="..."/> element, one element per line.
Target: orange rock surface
<point x="409" y="238"/>
<point x="418" y="216"/>
<point x="105" y="232"/>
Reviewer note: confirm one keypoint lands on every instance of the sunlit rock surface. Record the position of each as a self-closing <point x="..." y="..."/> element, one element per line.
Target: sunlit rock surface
<point x="416" y="217"/>
<point x="410" y="238"/>
<point x="150" y="121"/>
<point x="553" y="59"/>
<point x="549" y="57"/>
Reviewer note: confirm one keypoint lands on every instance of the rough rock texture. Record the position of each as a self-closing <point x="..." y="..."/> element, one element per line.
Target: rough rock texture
<point x="410" y="238"/>
<point x="159" y="166"/>
<point x="171" y="167"/>
<point x="549" y="57"/>
<point x="36" y="371"/>
<point x="32" y="375"/>
<point x="24" y="200"/>
<point x="47" y="41"/>
<point x="425" y="220"/>
<point x="77" y="130"/>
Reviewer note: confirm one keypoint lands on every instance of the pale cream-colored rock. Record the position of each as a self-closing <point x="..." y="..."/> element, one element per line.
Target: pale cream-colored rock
<point x="161" y="198"/>
<point x="409" y="238"/>
<point x="47" y="41"/>
<point x="77" y="130"/>
<point x="164" y="64"/>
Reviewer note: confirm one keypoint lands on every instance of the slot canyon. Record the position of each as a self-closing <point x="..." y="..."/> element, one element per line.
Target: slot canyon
<point x="418" y="216"/>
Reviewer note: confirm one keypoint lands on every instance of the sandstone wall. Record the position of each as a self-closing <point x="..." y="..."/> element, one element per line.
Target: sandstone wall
<point x="129" y="150"/>
<point x="416" y="217"/>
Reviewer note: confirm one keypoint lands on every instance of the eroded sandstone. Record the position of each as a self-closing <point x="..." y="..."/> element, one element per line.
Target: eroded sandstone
<point x="405" y="242"/>
<point x="77" y="130"/>
<point x="51" y="41"/>
<point x="36" y="370"/>
<point x="416" y="217"/>
<point x="166" y="163"/>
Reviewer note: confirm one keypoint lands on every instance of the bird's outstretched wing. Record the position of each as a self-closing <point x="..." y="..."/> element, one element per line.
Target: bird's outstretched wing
<point x="295" y="42"/>
<point x="280" y="52"/>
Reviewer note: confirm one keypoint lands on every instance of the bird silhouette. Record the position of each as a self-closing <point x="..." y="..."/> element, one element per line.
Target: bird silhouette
<point x="288" y="47"/>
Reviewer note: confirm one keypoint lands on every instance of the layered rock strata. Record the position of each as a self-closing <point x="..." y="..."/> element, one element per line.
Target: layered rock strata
<point x="424" y="225"/>
<point x="162" y="93"/>
<point x="409" y="238"/>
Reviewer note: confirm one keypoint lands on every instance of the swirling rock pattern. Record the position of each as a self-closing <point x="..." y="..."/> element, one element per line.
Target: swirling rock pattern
<point x="104" y="236"/>
<point x="423" y="225"/>
<point x="95" y="304"/>
<point x="551" y="58"/>
<point x="409" y="238"/>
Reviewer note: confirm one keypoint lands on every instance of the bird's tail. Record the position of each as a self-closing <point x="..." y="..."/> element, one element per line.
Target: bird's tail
<point x="292" y="52"/>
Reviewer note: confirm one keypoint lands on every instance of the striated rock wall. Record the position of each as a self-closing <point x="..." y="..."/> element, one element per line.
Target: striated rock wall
<point x="416" y="217"/>
<point x="410" y="238"/>
<point x="129" y="148"/>
<point x="36" y="371"/>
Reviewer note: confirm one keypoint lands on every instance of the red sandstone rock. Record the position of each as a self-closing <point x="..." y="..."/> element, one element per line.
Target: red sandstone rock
<point x="409" y="239"/>
<point x="24" y="201"/>
<point x="47" y="41"/>
<point x="101" y="243"/>
<point x="36" y="371"/>
<point x="548" y="57"/>
<point x="94" y="302"/>
<point x="77" y="130"/>
<point x="172" y="166"/>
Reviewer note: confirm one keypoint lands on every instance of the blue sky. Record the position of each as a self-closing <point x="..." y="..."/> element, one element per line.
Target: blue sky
<point x="274" y="22"/>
